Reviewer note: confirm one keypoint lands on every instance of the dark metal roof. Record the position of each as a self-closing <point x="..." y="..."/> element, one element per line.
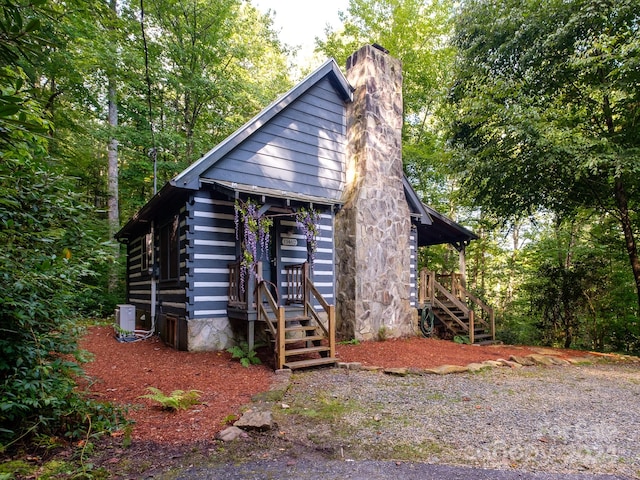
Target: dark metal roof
<point x="140" y="222"/>
<point x="433" y="227"/>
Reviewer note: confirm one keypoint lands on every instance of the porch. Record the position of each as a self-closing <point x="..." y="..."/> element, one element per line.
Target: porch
<point x="299" y="323"/>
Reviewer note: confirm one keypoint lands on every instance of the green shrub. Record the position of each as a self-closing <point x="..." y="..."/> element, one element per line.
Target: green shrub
<point x="462" y="339"/>
<point x="247" y="357"/>
<point x="48" y="255"/>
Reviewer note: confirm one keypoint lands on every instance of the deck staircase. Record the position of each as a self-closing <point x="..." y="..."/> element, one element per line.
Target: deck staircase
<point x="300" y="336"/>
<point x="454" y="309"/>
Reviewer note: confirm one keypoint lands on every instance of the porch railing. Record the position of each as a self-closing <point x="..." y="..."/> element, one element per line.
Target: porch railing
<point x="295" y="276"/>
<point x="242" y="289"/>
<point x="237" y="288"/>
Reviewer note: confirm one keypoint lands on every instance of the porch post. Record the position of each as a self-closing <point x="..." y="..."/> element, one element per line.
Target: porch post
<point x="253" y="304"/>
<point x="463" y="265"/>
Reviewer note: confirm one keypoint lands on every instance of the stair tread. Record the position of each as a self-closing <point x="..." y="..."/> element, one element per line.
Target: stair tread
<point x="312" y="362"/>
<point x="303" y="351"/>
<point x="300" y="328"/>
<point x="310" y="338"/>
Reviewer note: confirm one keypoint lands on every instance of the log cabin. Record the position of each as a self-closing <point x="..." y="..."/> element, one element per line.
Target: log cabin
<point x="338" y="252"/>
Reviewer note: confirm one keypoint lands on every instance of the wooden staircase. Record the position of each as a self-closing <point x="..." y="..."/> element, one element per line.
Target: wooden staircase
<point x="301" y="338"/>
<point x="457" y="310"/>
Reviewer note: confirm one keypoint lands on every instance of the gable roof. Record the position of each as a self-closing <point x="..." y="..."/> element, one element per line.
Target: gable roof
<point x="189" y="178"/>
<point x="433" y="227"/>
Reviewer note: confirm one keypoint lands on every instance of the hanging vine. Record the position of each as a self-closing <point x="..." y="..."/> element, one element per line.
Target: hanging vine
<point x="255" y="236"/>
<point x="309" y="222"/>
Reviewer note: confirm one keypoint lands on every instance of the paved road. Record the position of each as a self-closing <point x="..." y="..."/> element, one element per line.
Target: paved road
<point x="284" y="469"/>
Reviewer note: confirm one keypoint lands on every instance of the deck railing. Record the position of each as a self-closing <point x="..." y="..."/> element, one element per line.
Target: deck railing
<point x="242" y="289"/>
<point x="237" y="288"/>
<point x="295" y="282"/>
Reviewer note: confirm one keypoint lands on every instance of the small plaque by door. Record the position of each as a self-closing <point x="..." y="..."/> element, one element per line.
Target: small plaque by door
<point x="289" y="242"/>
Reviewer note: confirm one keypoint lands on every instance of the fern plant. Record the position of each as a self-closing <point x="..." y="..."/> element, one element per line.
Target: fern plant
<point x="462" y="339"/>
<point x="247" y="357"/>
<point x="177" y="400"/>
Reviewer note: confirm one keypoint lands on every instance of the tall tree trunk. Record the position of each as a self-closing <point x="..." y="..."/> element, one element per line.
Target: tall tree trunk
<point x="627" y="229"/>
<point x="623" y="207"/>
<point x="112" y="172"/>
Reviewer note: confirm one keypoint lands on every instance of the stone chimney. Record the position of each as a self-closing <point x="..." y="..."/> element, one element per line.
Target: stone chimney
<point x="373" y="227"/>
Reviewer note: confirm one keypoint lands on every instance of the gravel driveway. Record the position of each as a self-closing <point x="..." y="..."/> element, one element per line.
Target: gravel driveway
<point x="577" y="422"/>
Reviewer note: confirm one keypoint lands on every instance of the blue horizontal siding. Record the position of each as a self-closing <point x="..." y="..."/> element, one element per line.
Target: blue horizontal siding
<point x="323" y="271"/>
<point x="300" y="150"/>
<point x="212" y="246"/>
<point x="211" y="243"/>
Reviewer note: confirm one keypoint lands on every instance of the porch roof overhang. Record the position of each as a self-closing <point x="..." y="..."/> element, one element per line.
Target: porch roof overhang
<point x="443" y="230"/>
<point x="141" y="221"/>
<point x="434" y="228"/>
<point x="234" y="190"/>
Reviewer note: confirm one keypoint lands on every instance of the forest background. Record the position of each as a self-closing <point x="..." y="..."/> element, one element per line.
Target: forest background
<point x="522" y="122"/>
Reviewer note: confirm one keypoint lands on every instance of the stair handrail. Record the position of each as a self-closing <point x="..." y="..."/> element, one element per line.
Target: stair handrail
<point x="330" y="310"/>
<point x="452" y="298"/>
<point x="491" y="324"/>
<point x="427" y="276"/>
<point x="452" y="315"/>
<point x="262" y="291"/>
<point x="277" y="330"/>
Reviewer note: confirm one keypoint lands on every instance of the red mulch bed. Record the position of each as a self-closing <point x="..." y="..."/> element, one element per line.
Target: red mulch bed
<point x="121" y="373"/>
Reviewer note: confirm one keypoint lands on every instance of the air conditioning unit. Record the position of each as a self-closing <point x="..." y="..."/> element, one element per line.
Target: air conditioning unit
<point x="126" y="318"/>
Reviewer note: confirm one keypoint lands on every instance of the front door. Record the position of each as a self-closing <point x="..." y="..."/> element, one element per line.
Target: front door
<point x="268" y="259"/>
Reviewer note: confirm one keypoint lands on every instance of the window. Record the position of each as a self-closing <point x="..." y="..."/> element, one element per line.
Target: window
<point x="169" y="251"/>
<point x="145" y="252"/>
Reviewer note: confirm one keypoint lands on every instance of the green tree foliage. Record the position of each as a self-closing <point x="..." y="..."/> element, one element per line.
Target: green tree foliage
<point x="558" y="296"/>
<point x="48" y="253"/>
<point x="209" y="67"/>
<point x="44" y="263"/>
<point x="570" y="285"/>
<point x="544" y="110"/>
<point x="416" y="32"/>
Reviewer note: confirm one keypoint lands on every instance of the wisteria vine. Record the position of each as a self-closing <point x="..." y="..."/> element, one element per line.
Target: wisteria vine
<point x="308" y="221"/>
<point x="255" y="235"/>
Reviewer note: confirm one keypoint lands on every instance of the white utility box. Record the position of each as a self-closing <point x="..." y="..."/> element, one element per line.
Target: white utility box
<point x="126" y="317"/>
